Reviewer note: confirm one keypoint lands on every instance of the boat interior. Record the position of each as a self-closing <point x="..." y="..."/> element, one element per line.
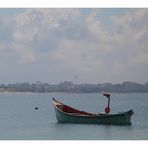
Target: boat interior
<point x="68" y="109"/>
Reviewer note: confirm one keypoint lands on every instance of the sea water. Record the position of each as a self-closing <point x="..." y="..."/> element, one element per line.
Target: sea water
<point x="19" y="120"/>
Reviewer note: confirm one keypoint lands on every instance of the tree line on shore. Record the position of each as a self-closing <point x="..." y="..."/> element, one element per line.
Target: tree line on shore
<point x="125" y="87"/>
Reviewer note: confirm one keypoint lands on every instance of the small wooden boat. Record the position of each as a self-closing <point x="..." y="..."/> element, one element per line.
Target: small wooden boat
<point x="67" y="114"/>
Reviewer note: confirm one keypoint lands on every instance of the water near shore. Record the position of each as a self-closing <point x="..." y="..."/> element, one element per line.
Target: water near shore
<point x="20" y="120"/>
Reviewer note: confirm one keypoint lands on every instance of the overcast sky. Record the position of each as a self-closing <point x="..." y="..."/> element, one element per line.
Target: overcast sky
<point x="54" y="45"/>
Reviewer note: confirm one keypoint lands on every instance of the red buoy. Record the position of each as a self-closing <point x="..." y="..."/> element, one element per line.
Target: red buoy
<point x="107" y="110"/>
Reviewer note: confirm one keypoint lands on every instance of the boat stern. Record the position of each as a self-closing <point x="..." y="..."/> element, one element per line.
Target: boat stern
<point x="131" y="112"/>
<point x="128" y="116"/>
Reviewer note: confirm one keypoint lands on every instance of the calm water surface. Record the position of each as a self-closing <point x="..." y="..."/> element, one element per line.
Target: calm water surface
<point x="20" y="121"/>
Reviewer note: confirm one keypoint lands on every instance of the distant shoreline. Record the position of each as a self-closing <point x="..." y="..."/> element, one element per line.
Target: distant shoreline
<point x="69" y="87"/>
<point x="19" y="92"/>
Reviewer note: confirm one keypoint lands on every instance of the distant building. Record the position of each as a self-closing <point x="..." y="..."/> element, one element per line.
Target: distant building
<point x="66" y="83"/>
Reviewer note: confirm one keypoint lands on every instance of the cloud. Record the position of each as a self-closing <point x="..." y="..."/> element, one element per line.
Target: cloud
<point x="40" y="30"/>
<point x="76" y="41"/>
<point x="6" y="29"/>
<point x="133" y="27"/>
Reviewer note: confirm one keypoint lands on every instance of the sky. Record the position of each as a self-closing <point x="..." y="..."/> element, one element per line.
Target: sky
<point x="77" y="45"/>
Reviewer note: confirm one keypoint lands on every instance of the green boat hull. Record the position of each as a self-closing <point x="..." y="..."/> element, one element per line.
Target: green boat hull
<point x="114" y="119"/>
<point x="67" y="114"/>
